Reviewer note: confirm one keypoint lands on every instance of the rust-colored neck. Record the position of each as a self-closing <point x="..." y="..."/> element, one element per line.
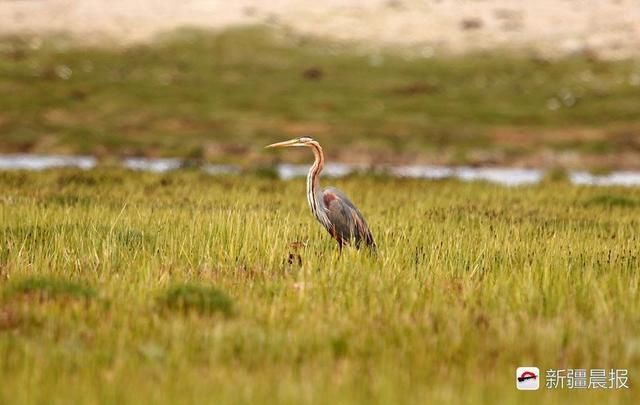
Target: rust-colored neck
<point x="314" y="193"/>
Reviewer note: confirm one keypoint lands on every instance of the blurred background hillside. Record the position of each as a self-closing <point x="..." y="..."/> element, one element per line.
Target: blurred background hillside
<point x="527" y="84"/>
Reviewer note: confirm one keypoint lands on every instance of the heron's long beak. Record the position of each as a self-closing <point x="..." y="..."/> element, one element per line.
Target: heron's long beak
<point x="292" y="142"/>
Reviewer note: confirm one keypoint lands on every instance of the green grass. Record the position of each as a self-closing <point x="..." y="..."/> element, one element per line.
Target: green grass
<point x="222" y="96"/>
<point x="45" y="288"/>
<point x="191" y="297"/>
<point x="470" y="281"/>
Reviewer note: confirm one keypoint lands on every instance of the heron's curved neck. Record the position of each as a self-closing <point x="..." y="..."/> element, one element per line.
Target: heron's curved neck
<point x="313" y="178"/>
<point x="314" y="193"/>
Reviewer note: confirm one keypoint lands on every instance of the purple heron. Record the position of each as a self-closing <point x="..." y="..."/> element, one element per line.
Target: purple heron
<point x="330" y="206"/>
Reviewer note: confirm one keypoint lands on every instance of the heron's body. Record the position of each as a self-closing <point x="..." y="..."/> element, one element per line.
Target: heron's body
<point x="330" y="206"/>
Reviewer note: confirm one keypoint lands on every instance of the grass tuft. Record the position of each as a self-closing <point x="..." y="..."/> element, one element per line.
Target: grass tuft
<point x="197" y="298"/>
<point x="45" y="289"/>
<point x="556" y="175"/>
<point x="609" y="200"/>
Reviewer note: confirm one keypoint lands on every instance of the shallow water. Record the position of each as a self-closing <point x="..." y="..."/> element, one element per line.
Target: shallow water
<point x="41" y="162"/>
<point x="155" y="165"/>
<point x="500" y="175"/>
<point x="288" y="171"/>
<point x="620" y="178"/>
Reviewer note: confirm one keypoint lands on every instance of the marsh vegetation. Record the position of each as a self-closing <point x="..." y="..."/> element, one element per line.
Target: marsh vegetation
<point x="121" y="286"/>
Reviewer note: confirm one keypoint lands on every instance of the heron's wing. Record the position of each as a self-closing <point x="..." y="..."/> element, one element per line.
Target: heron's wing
<point x="347" y="222"/>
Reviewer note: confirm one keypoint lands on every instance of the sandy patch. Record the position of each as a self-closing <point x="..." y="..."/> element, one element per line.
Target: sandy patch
<point x="608" y="28"/>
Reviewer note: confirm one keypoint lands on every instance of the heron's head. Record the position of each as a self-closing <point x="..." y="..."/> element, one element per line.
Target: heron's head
<point x="303" y="141"/>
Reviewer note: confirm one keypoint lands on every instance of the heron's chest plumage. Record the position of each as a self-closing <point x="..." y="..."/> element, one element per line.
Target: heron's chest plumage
<point x="317" y="203"/>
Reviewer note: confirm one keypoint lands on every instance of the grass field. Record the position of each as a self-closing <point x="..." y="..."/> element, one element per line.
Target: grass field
<point x="220" y="97"/>
<point x="131" y="287"/>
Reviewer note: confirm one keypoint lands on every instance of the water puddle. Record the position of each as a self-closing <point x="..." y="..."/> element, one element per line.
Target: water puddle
<point x="288" y="171"/>
<point x="159" y="165"/>
<point x="621" y="178"/>
<point x="499" y="175"/>
<point x="42" y="162"/>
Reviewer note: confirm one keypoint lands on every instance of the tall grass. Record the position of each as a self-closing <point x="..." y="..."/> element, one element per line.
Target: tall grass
<point x="471" y="280"/>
